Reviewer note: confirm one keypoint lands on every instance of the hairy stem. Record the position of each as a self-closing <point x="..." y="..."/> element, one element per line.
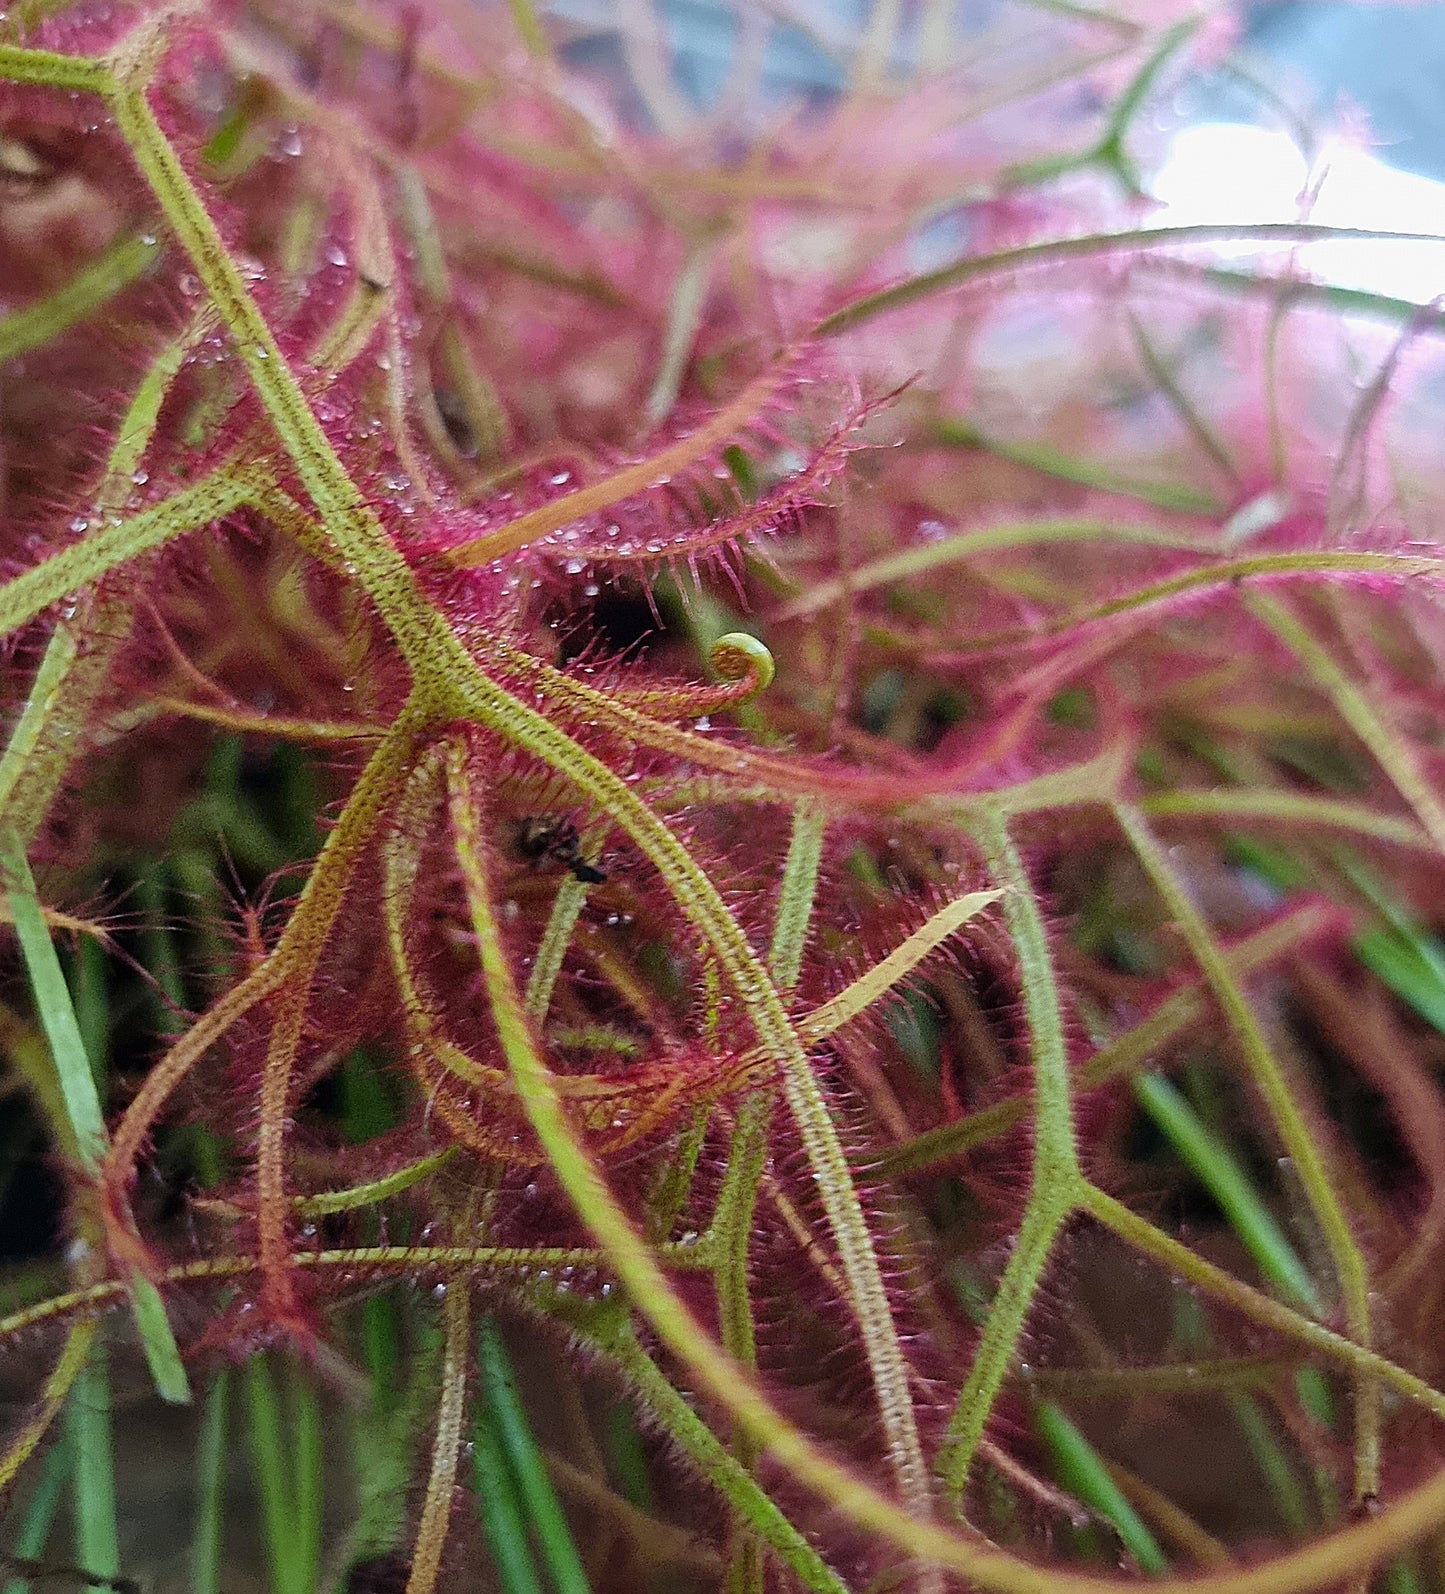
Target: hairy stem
<point x="1254" y="1304"/>
<point x="1363" y="718"/>
<point x="436" y="1511"/>
<point x="1345" y="1254"/>
<point x="1054" y="1179"/>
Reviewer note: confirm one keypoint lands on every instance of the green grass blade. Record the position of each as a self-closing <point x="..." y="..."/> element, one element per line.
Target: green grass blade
<point x="1399" y="952"/>
<point x="96" y="1532"/>
<point x="210" y="1492"/>
<point x="1078" y="1466"/>
<point x="268" y="1455"/>
<point x="85" y="1129"/>
<point x="33" y="1533"/>
<point x="55" y="1011"/>
<point x="1278" y="1472"/>
<point x="162" y="1355"/>
<point x="88" y="984"/>
<point x="309" y="1483"/>
<point x="554" y="1539"/>
<point x="500" y="1509"/>
<point x="1411" y="963"/>
<point x="1216" y="1168"/>
<point x="627" y="1457"/>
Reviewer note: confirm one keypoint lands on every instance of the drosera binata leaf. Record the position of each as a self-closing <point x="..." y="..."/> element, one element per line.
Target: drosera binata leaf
<point x="886" y="976"/>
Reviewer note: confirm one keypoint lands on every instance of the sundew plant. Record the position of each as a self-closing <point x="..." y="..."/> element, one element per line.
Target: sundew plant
<point x="719" y="819"/>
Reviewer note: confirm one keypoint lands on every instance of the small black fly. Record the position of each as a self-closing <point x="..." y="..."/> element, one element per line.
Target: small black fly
<point x="543" y="839"/>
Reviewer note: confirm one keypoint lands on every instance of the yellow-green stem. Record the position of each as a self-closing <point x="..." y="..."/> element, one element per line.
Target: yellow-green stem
<point x="436" y="1508"/>
<point x="1345" y="1256"/>
<point x="1054" y="1179"/>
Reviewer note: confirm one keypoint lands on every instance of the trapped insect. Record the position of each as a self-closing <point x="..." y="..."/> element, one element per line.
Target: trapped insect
<point x="542" y="838"/>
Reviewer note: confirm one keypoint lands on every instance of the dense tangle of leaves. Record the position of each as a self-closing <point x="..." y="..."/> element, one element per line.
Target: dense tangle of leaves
<point x="374" y="389"/>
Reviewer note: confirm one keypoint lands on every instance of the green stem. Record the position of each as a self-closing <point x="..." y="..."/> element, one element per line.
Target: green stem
<point x="78" y="73"/>
<point x="1288" y="808"/>
<point x="60" y="708"/>
<point x="1008" y="1313"/>
<point x="92" y="287"/>
<point x="746" y="1497"/>
<point x="1223" y="576"/>
<point x="884" y="978"/>
<point x="732" y="1230"/>
<point x="796" y="896"/>
<point x="1388" y="747"/>
<point x="1303" y="1147"/>
<point x="436" y="1511"/>
<point x="103" y="550"/>
<point x="1004" y="262"/>
<point x="1054" y="1179"/>
<point x="732" y="1225"/>
<point x="1079" y="470"/>
<point x="1254" y="1304"/>
<point x="561" y="922"/>
<point x="374" y="1190"/>
<point x="1183" y="406"/>
<point x="910" y="563"/>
